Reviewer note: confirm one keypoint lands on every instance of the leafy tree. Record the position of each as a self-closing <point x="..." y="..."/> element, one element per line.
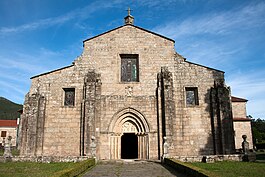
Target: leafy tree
<point x="258" y="130"/>
<point x="8" y="109"/>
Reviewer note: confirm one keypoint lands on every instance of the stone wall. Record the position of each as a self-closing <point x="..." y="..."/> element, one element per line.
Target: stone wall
<point x="102" y="53"/>
<point x="239" y="109"/>
<point x="48" y="159"/>
<point x="62" y="123"/>
<point x="242" y="124"/>
<point x="194" y="126"/>
<point x="32" y="122"/>
<point x="157" y="102"/>
<point x="210" y="158"/>
<point x="242" y="128"/>
<point x="112" y="105"/>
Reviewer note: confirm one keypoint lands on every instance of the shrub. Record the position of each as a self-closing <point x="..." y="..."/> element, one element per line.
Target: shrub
<point x="260" y="146"/>
<point x="188" y="168"/>
<point x="77" y="169"/>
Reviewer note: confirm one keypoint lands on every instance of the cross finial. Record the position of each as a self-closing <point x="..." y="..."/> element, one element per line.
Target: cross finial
<point x="129" y="19"/>
<point x="129" y="11"/>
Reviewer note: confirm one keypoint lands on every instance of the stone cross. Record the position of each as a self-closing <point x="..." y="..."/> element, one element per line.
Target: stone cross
<point x="129" y="11"/>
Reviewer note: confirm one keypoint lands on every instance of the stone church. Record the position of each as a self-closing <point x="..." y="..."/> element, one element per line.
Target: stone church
<point x="127" y="95"/>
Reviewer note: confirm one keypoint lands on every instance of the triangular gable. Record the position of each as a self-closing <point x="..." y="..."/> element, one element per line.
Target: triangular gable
<point x="51" y="71"/>
<point x="185" y="60"/>
<point x="204" y="66"/>
<point x="134" y="27"/>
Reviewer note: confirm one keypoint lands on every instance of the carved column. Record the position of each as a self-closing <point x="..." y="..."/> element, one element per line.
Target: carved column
<point x="168" y="112"/>
<point x="90" y="117"/>
<point x="32" y="122"/>
<point x="159" y="115"/>
<point x="222" y="119"/>
<point x="142" y="145"/>
<point x="115" y="146"/>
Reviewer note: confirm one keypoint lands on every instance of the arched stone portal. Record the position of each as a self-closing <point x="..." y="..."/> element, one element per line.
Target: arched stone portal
<point x="129" y="137"/>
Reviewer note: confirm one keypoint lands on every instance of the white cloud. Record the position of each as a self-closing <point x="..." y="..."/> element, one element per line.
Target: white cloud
<point x="256" y="108"/>
<point x="159" y="4"/>
<point x="28" y="63"/>
<point x="216" y="39"/>
<point x="216" y="23"/>
<point x="11" y="86"/>
<point x="44" y="23"/>
<point x="250" y="85"/>
<point x="221" y="40"/>
<point x="16" y="69"/>
<point x="77" y="14"/>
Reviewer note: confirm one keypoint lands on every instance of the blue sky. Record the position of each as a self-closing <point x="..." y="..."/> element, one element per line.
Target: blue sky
<point x="37" y="36"/>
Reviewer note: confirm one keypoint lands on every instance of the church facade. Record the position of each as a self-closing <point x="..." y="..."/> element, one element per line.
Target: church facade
<point x="118" y="100"/>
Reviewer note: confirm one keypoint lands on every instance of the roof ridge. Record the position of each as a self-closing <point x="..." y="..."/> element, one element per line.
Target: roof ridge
<point x="132" y="26"/>
<point x="238" y="99"/>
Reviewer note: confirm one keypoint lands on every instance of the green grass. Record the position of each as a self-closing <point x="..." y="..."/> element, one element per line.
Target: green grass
<point x="234" y="169"/>
<point x="28" y="169"/>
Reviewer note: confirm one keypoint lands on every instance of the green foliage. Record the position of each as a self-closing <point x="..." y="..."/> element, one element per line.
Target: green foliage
<point x="8" y="109"/>
<point x="222" y="169"/>
<point x="76" y="169"/>
<point x="32" y="169"/>
<point x="258" y="130"/>
<point x="188" y="168"/>
<point x="260" y="155"/>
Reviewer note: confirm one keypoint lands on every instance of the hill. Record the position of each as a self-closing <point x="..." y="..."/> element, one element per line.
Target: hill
<point x="8" y="109"/>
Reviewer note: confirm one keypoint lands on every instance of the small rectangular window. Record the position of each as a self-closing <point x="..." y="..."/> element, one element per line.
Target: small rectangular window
<point x="129" y="68"/>
<point x="3" y="133"/>
<point x="69" y="96"/>
<point x="192" y="96"/>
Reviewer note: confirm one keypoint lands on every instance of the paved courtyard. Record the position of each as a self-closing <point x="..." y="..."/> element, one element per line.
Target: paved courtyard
<point x="131" y="169"/>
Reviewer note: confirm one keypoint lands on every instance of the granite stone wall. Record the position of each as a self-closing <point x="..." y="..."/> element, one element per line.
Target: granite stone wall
<point x="156" y="104"/>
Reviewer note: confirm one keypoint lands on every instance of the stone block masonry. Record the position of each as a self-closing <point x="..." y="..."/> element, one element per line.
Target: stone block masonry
<point x="170" y="97"/>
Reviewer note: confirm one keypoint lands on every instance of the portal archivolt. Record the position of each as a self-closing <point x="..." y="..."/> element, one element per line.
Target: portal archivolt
<point x="129" y="135"/>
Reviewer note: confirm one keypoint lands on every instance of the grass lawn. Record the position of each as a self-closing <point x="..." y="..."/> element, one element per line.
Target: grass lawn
<point x="25" y="169"/>
<point x="234" y="169"/>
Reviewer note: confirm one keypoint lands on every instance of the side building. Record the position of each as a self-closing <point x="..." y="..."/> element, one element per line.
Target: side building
<point x="8" y="128"/>
<point x="242" y="124"/>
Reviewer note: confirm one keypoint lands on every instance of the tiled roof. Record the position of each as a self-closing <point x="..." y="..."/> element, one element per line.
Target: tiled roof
<point x="8" y="123"/>
<point x="241" y="119"/>
<point x="237" y="99"/>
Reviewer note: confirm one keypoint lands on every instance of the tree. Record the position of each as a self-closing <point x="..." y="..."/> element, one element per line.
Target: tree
<point x="258" y="130"/>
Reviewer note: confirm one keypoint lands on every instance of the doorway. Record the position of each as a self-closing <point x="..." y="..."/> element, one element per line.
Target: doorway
<point x="129" y="146"/>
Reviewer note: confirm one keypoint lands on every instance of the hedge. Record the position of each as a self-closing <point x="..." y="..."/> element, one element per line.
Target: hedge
<point x="77" y="169"/>
<point x="260" y="146"/>
<point x="188" y="168"/>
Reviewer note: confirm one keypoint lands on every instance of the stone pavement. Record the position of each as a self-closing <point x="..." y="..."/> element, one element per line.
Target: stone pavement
<point x="131" y="168"/>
